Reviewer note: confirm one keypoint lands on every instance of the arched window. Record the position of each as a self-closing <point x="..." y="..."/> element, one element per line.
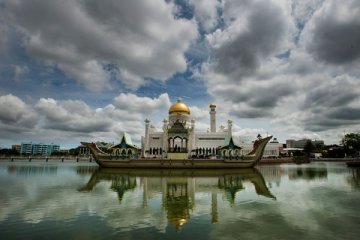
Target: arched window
<point x="224" y="153"/>
<point x="123" y="152"/>
<point x="177" y="143"/>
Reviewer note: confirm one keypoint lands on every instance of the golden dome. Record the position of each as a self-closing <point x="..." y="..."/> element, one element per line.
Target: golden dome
<point x="179" y="107"/>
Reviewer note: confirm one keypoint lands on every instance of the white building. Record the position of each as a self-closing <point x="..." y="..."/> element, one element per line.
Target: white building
<point x="179" y="139"/>
<point x="38" y="149"/>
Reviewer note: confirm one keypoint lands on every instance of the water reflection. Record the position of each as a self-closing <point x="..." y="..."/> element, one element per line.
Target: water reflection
<point x="42" y="200"/>
<point x="32" y="170"/>
<point x="306" y="173"/>
<point x="86" y="170"/>
<point x="178" y="187"/>
<point x="177" y="201"/>
<point x="354" y="178"/>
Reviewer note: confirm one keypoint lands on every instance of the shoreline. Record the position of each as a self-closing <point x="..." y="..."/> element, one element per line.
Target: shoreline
<point x="90" y="159"/>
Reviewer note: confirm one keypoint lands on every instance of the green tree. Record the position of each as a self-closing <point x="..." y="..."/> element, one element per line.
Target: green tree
<point x="57" y="153"/>
<point x="8" y="152"/>
<point x="351" y="143"/>
<point x="308" y="148"/>
<point x="74" y="151"/>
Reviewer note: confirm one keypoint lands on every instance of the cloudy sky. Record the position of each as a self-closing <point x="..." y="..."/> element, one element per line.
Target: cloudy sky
<point x="74" y="70"/>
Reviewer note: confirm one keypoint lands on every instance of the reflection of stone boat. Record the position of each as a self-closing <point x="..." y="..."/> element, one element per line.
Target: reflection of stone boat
<point x="178" y="187"/>
<point x="226" y="177"/>
<point x="246" y="161"/>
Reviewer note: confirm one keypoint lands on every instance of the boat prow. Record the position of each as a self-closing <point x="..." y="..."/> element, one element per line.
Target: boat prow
<point x="246" y="161"/>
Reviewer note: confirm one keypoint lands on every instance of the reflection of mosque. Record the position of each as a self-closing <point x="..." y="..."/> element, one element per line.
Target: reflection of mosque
<point x="231" y="185"/>
<point x="178" y="188"/>
<point x="177" y="202"/>
<point x="121" y="184"/>
<point x="178" y="193"/>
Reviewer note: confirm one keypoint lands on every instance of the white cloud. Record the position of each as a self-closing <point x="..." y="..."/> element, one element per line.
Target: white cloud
<point x="146" y="105"/>
<point x="142" y="38"/>
<point x="15" y="114"/>
<point x="71" y="115"/>
<point x="206" y="12"/>
<point x="199" y="113"/>
<point x="60" y="120"/>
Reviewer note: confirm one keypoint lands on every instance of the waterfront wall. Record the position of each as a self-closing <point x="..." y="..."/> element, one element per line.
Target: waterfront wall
<point x="46" y="159"/>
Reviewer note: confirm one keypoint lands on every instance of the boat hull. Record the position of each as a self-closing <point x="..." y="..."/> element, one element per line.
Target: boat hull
<point x="175" y="163"/>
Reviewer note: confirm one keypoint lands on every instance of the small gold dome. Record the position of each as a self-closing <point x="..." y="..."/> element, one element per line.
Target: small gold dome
<point x="179" y="107"/>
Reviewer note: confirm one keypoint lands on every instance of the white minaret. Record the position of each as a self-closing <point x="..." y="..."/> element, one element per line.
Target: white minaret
<point x="192" y="136"/>
<point x="230" y="127"/>
<point x="212" y="118"/>
<point x="147" y="124"/>
<point x="165" y="137"/>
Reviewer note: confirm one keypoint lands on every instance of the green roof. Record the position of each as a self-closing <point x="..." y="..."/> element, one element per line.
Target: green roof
<point x="230" y="145"/>
<point x="125" y="142"/>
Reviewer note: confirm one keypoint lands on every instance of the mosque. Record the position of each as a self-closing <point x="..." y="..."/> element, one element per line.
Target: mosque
<point x="180" y="140"/>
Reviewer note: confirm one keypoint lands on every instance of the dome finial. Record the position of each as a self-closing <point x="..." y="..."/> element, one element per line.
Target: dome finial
<point x="179" y="99"/>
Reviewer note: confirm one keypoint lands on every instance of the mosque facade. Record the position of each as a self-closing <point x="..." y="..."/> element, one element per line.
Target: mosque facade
<point x="179" y="139"/>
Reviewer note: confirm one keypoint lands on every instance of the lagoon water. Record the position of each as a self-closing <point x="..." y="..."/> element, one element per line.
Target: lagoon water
<point x="56" y="200"/>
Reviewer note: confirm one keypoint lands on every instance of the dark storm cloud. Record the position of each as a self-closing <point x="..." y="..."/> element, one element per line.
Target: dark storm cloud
<point x="332" y="95"/>
<point x="258" y="105"/>
<point x="256" y="99"/>
<point x="249" y="113"/>
<point x="320" y="123"/>
<point x="345" y="113"/>
<point x="265" y="98"/>
<point x="333" y="104"/>
<point x="335" y="37"/>
<point x="241" y="55"/>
